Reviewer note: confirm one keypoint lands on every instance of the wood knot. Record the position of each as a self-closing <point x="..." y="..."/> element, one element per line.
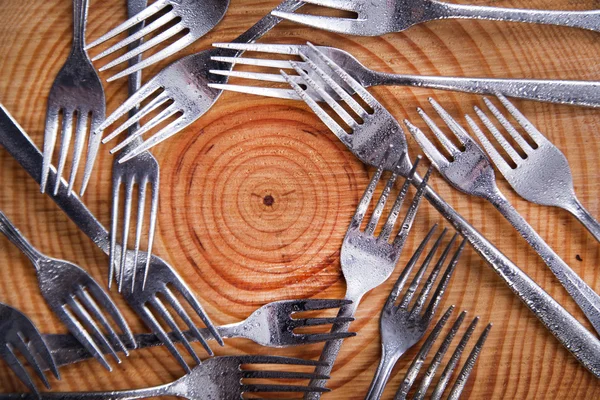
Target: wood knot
<point x="268" y="200"/>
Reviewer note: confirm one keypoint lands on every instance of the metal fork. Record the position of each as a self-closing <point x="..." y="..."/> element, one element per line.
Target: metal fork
<point x="223" y="378"/>
<point x="76" y="98"/>
<point x="271" y="325"/>
<point x="195" y="19"/>
<point x="543" y="176"/>
<point x="180" y="92"/>
<point x="375" y="18"/>
<point x="163" y="281"/>
<point x="142" y="171"/>
<point x="365" y="143"/>
<point x="471" y="172"/>
<point x="446" y="376"/>
<point x="401" y="324"/>
<point x="582" y="93"/>
<point x="76" y="299"/>
<point x="19" y="335"/>
<point x="368" y="259"/>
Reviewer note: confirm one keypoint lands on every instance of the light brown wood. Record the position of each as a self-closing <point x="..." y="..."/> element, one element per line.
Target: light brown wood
<point x="238" y="252"/>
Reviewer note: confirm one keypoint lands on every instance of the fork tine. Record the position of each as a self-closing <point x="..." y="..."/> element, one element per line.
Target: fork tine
<point x="372" y="224"/>
<point x="453" y="362"/>
<point x="92" y="152"/>
<point x="419" y="360"/>
<point x="431" y="151"/>
<point x="355" y="85"/>
<point x="256" y="76"/>
<point x="257" y="62"/>
<point x="288" y="49"/>
<point x="101" y="297"/>
<point x="508" y="148"/>
<point x="22" y="347"/>
<point x="508" y="126"/>
<point x="277" y="93"/>
<point x="164" y="19"/>
<point x="50" y="133"/>
<point x="163" y="134"/>
<point x="67" y="130"/>
<point x="151" y="321"/>
<point x="459" y="385"/>
<point x="339" y="110"/>
<point x="138" y="228"/>
<point x="87" y="321"/>
<point x="281" y="388"/>
<point x="125" y="232"/>
<point x="414" y="206"/>
<point x="498" y="160"/>
<point x="459" y="132"/>
<point x="409" y="266"/>
<point x="77" y="330"/>
<point x="156" y="120"/>
<point x="439" y="134"/>
<point x="347" y="98"/>
<point x="321" y="321"/>
<point x="166" y="316"/>
<point x="531" y="130"/>
<point x="334" y="24"/>
<point x="35" y="338"/>
<point x="262" y="359"/>
<point x="441" y="288"/>
<point x="136" y="19"/>
<point x="158" y="56"/>
<point x="18" y="368"/>
<point x="116" y="190"/>
<point x="91" y="305"/>
<point x="80" y="135"/>
<point x="197" y="307"/>
<point x="434" y="273"/>
<point x="324" y="337"/>
<point x="147" y="109"/>
<point x="343" y="5"/>
<point x="387" y="228"/>
<point x="327" y="120"/>
<point x="153" y="216"/>
<point x="419" y="275"/>
<point x="317" y="304"/>
<point x="281" y="375"/>
<point x="363" y="206"/>
<point x="437" y="359"/>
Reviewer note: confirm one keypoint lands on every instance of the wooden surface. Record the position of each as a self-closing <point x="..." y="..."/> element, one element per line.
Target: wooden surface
<point x="238" y="252"/>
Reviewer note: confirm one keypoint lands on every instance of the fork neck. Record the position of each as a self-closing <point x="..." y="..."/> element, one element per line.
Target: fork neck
<point x="235" y="330"/>
<point x="13" y="234"/>
<point x="80" y="9"/>
<point x="267" y="22"/>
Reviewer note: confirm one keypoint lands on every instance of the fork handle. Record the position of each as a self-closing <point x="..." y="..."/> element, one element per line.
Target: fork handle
<point x="579" y="93"/>
<point x="17" y="238"/>
<point x="582" y="344"/>
<point x="589" y="19"/>
<point x="584" y="296"/>
<point x="164" y="390"/>
<point x="584" y="216"/>
<point x="80" y="9"/>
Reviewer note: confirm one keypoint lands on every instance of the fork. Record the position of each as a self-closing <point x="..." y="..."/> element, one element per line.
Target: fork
<point x="163" y="281"/>
<point x="375" y="18"/>
<point x="365" y="142"/>
<point x="582" y="93"/>
<point x="367" y="259"/>
<point x="217" y="378"/>
<point x="180" y="92"/>
<point x="543" y="176"/>
<point x="190" y="18"/>
<point x="76" y="299"/>
<point x="401" y="324"/>
<point x="471" y="172"/>
<point x="76" y="99"/>
<point x="271" y="325"/>
<point x="19" y="335"/>
<point x="446" y="376"/>
<point x="143" y="171"/>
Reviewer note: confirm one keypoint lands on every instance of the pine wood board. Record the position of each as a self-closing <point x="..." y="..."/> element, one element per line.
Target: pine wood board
<point x="237" y="252"/>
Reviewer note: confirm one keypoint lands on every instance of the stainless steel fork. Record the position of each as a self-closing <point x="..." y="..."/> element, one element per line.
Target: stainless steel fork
<point x="271" y="325"/>
<point x="76" y="99"/>
<point x="375" y="18"/>
<point x="446" y="376"/>
<point x="190" y="18"/>
<point x="220" y="378"/>
<point x="543" y="176"/>
<point x="365" y="143"/>
<point x="402" y="324"/>
<point x="143" y="172"/>
<point x="163" y="284"/>
<point x="76" y="299"/>
<point x="180" y="91"/>
<point x="581" y="93"/>
<point x="368" y="259"/>
<point x="471" y="172"/>
<point x="18" y="335"/>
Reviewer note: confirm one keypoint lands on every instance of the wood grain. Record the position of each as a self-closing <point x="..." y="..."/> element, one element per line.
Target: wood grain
<point x="238" y="248"/>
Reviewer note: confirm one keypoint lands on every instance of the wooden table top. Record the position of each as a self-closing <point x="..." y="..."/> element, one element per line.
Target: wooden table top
<point x="238" y="248"/>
